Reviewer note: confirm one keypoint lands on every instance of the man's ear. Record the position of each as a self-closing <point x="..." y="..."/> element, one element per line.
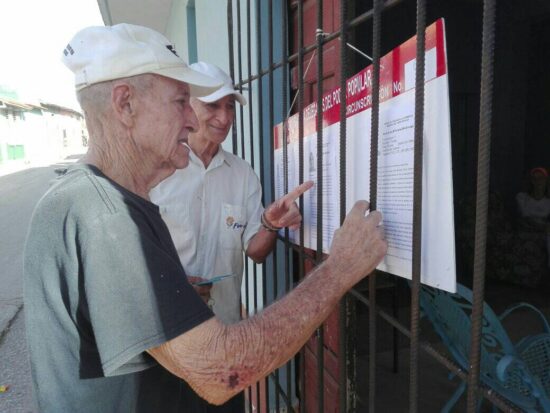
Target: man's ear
<point x="123" y="101"/>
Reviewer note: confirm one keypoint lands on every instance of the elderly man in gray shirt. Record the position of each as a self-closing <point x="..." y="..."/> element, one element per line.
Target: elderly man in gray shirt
<point x="113" y="324"/>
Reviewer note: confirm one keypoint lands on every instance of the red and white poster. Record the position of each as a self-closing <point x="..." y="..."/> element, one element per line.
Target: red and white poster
<point x="395" y="159"/>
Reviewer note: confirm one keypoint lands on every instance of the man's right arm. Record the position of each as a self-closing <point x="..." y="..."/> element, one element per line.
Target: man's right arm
<point x="219" y="361"/>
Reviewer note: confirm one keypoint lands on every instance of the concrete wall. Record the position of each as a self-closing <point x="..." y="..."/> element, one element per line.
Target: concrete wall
<point x="46" y="137"/>
<point x="176" y="28"/>
<point x="211" y="45"/>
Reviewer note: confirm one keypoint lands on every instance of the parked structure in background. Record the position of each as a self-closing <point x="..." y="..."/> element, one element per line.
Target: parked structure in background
<point x="38" y="132"/>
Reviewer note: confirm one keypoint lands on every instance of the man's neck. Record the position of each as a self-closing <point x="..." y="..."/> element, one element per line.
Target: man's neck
<point x="128" y="171"/>
<point x="203" y="148"/>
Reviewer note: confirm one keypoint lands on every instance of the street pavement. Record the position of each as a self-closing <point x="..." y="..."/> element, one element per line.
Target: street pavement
<point x="15" y="369"/>
<point x="21" y="186"/>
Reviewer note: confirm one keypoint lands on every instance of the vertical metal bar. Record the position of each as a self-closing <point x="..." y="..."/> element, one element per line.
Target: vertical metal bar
<point x="344" y="359"/>
<point x="285" y="89"/>
<point x="300" y="110"/>
<point x="343" y="100"/>
<point x="319" y="120"/>
<point x="320" y="330"/>
<point x="251" y="135"/>
<point x="417" y="201"/>
<point x="240" y="70"/>
<point x="249" y="74"/>
<point x="301" y="122"/>
<point x="231" y="61"/>
<point x="376" y="46"/>
<point x="250" y="108"/>
<point x="301" y="262"/>
<point x="262" y="166"/>
<point x="241" y="112"/>
<point x="271" y="124"/>
<point x="260" y="96"/>
<point x="483" y="172"/>
<point x="284" y="62"/>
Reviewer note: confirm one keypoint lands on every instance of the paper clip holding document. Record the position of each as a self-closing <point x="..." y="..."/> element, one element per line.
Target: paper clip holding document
<point x="214" y="280"/>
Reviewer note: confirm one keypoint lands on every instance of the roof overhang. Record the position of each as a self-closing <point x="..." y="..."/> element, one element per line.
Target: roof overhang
<point x="153" y="14"/>
<point x="15" y="105"/>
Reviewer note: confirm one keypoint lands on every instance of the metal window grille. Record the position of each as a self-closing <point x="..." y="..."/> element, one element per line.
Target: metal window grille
<point x="260" y="63"/>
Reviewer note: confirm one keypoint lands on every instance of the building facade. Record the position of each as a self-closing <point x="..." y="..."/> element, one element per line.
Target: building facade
<point x="39" y="133"/>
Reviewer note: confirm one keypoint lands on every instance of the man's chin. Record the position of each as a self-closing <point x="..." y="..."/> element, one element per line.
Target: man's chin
<point x="181" y="163"/>
<point x="180" y="158"/>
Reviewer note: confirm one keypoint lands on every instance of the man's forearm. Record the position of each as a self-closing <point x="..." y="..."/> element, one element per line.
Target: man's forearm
<point x="231" y="358"/>
<point x="261" y="245"/>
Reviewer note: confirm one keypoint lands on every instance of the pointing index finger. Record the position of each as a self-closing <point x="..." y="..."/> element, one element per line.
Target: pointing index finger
<point x="296" y="192"/>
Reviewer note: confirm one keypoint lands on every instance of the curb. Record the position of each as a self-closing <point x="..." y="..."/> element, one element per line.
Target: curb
<point x="10" y="167"/>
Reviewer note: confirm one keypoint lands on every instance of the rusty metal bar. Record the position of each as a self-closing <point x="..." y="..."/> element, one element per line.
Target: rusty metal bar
<point x="231" y="61"/>
<point x="301" y="250"/>
<point x="285" y="142"/>
<point x="272" y="159"/>
<point x="376" y="47"/>
<point x="345" y="354"/>
<point x="280" y="391"/>
<point x="287" y="250"/>
<point x="252" y="163"/>
<point x="262" y="164"/>
<point x="260" y="94"/>
<point x="482" y="198"/>
<point x="417" y="202"/>
<point x="301" y="125"/>
<point x="240" y="72"/>
<point x="242" y="142"/>
<point x="304" y="254"/>
<point x="249" y="68"/>
<point x="319" y="189"/>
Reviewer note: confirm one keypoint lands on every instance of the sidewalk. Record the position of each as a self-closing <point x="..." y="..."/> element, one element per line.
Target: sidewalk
<point x="10" y="167"/>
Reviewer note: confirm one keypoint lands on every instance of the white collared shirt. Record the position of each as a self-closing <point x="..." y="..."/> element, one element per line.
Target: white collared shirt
<point x="212" y="214"/>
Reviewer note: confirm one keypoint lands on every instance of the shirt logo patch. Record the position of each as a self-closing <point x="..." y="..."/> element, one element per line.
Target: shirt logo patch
<point x="232" y="224"/>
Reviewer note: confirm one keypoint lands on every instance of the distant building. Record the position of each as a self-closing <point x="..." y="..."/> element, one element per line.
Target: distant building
<point x="38" y="132"/>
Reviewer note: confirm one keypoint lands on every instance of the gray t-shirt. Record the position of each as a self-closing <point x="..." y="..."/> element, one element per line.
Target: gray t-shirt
<point x="103" y="283"/>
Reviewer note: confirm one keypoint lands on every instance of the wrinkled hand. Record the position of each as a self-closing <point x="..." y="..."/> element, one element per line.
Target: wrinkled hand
<point x="284" y="212"/>
<point x="359" y="245"/>
<point x="202" y="290"/>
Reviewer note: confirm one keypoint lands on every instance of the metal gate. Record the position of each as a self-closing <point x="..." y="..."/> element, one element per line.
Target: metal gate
<point x="271" y="69"/>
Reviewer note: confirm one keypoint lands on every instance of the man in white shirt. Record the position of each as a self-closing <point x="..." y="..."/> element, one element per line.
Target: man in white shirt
<point x="213" y="207"/>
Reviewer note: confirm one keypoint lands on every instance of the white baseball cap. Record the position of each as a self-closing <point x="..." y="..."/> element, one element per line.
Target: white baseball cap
<point x="100" y="53"/>
<point x="215" y="72"/>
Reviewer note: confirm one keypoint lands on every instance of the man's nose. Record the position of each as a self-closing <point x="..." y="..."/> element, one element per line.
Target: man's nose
<point x="225" y="116"/>
<point x="191" y="120"/>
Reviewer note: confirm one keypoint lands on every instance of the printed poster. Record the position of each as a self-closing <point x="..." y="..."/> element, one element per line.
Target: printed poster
<point x="395" y="160"/>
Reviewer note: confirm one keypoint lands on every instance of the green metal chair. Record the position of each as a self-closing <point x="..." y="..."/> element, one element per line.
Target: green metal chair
<point x="519" y="372"/>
